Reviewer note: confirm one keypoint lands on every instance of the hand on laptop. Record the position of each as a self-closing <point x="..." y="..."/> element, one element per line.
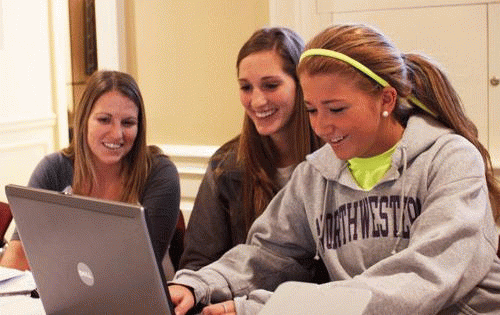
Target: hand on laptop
<point x="182" y="297"/>
<point x="226" y="308"/>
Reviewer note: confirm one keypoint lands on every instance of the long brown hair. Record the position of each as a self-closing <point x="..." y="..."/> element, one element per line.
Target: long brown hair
<point x="410" y="74"/>
<point x="256" y="154"/>
<point x="136" y="163"/>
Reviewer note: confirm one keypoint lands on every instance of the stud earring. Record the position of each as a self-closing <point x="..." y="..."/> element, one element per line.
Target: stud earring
<point x="385" y="114"/>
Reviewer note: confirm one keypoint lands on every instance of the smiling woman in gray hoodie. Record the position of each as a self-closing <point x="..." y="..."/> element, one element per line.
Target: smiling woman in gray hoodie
<point x="401" y="201"/>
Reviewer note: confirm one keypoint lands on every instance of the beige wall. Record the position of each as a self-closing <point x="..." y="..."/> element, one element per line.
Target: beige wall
<point x="183" y="55"/>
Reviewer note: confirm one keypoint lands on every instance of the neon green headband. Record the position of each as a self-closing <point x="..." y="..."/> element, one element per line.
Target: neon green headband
<point x="362" y="68"/>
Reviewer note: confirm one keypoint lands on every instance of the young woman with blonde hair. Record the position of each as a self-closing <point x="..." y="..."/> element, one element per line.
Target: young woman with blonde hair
<point x="400" y="201"/>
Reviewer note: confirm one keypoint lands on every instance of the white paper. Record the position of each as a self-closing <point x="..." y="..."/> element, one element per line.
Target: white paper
<point x="309" y="298"/>
<point x="13" y="280"/>
<point x="21" y="305"/>
<point x="8" y="273"/>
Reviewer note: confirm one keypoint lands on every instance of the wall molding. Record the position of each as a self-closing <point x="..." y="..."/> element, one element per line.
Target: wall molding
<point x="44" y="145"/>
<point x="196" y="151"/>
<point x="27" y="124"/>
<point x="62" y="93"/>
<point x="23" y="142"/>
<point x="343" y="6"/>
<point x="17" y="159"/>
<point x="300" y="15"/>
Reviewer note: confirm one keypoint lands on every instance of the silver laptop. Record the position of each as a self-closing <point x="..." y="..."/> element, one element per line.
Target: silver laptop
<point x="88" y="256"/>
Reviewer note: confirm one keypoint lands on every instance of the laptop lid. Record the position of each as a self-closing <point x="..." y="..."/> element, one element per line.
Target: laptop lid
<point x="88" y="256"/>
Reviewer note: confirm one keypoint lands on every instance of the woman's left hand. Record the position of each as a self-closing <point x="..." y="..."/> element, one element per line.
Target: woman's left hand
<point x="226" y="307"/>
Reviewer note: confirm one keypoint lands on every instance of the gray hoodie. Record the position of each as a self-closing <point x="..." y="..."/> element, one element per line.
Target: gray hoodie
<point x="423" y="240"/>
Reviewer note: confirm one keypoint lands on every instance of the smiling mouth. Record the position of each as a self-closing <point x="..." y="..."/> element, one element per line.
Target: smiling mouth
<point x="113" y="146"/>
<point x="337" y="139"/>
<point x="265" y="114"/>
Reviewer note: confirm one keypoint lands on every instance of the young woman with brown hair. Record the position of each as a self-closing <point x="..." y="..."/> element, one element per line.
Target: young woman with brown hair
<point x="400" y="201"/>
<point x="245" y="173"/>
<point x="108" y="158"/>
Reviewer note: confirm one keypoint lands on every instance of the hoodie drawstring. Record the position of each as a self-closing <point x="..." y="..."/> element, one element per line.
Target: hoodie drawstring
<point x="323" y="212"/>
<point x="322" y="220"/>
<point x="400" y="222"/>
